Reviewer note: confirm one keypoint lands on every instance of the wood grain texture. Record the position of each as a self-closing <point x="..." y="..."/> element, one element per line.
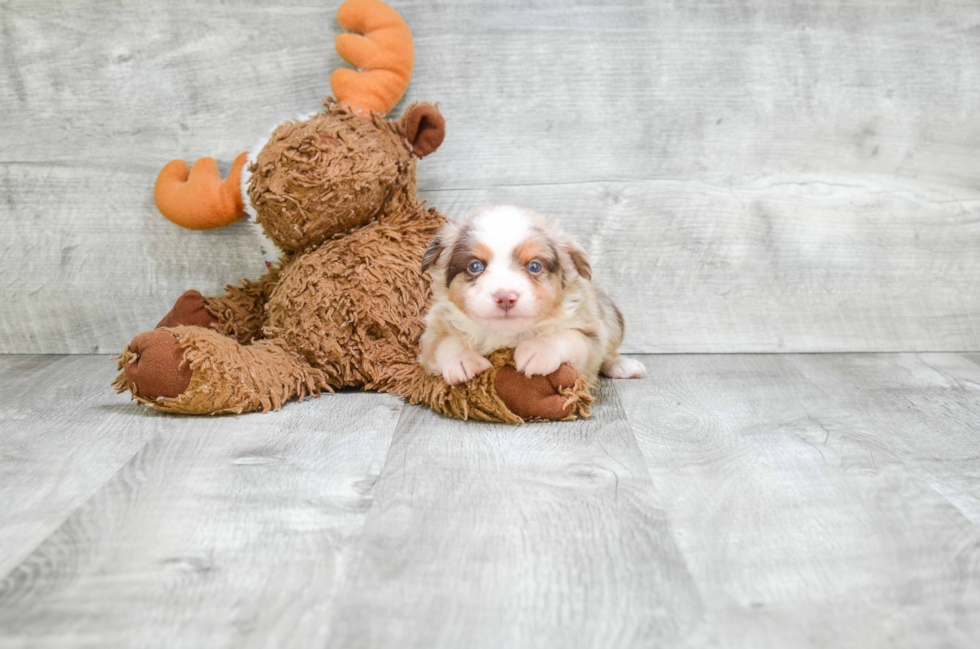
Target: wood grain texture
<point x="928" y="404"/>
<point x="726" y="501"/>
<point x="537" y="536"/>
<point x="61" y="438"/>
<point x="764" y="176"/>
<point x="821" y="501"/>
<point x="81" y="259"/>
<point x="219" y="532"/>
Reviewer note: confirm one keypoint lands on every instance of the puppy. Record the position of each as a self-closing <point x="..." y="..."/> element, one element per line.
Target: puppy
<point x="504" y="277"/>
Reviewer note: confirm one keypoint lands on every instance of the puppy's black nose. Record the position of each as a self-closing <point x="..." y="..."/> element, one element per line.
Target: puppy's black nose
<point x="505" y="299"/>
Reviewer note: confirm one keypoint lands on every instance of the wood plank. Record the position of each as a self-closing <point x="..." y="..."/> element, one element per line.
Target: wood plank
<point x="725" y="501"/>
<point x="142" y="84"/>
<point x="63" y="434"/>
<point x="763" y="177"/>
<point x="87" y="271"/>
<point x="805" y="522"/>
<point x="579" y="91"/>
<point x="567" y="91"/>
<point x="537" y="536"/>
<point x="928" y="403"/>
<point x="221" y="531"/>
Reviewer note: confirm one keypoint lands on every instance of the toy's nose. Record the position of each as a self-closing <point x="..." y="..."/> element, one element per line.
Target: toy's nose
<point x="505" y="299"/>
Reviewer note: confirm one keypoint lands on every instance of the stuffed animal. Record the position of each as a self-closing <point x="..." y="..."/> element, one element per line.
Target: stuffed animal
<point x="344" y="304"/>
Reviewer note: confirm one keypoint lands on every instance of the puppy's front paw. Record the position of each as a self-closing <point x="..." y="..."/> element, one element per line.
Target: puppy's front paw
<point x="537" y="356"/>
<point x="465" y="367"/>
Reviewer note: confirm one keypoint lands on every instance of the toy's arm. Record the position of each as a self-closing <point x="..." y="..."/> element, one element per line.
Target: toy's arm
<point x="502" y="394"/>
<point x="240" y="312"/>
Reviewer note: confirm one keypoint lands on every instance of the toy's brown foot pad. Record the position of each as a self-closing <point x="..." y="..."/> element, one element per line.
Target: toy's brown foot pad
<point x="536" y="397"/>
<point x="189" y="310"/>
<point x="157" y="367"/>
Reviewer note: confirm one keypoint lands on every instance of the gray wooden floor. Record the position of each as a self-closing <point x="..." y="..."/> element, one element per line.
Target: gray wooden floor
<point x="726" y="501"/>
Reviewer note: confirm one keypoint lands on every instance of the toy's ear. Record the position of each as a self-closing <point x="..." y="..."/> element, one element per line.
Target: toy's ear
<point x="424" y="128"/>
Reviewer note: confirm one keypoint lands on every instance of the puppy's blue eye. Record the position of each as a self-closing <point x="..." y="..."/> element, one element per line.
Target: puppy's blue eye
<point x="534" y="267"/>
<point x="475" y="267"/>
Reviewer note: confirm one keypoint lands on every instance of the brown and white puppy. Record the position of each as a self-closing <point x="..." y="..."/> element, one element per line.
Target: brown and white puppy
<point x="506" y="278"/>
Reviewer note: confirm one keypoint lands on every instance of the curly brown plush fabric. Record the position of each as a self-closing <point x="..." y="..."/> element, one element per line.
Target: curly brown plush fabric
<point x="345" y="307"/>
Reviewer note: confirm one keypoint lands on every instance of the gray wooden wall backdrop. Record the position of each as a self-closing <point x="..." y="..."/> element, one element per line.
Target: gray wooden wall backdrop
<point x="768" y="175"/>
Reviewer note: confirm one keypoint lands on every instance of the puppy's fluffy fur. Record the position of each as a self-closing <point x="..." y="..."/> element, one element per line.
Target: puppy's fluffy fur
<point x="505" y="277"/>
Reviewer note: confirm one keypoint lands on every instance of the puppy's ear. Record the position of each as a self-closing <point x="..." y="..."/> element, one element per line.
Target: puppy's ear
<point x="578" y="257"/>
<point x="432" y="252"/>
<point x="443" y="239"/>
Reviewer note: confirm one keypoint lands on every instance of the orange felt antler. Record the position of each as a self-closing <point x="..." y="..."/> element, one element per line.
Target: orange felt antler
<point x="384" y="56"/>
<point x="197" y="198"/>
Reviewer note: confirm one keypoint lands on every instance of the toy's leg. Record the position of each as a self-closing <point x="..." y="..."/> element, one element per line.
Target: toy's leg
<point x="239" y="313"/>
<point x="502" y="394"/>
<point x="201" y="371"/>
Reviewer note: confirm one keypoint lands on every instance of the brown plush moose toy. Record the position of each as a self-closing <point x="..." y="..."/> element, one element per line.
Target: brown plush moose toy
<point x="344" y="305"/>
